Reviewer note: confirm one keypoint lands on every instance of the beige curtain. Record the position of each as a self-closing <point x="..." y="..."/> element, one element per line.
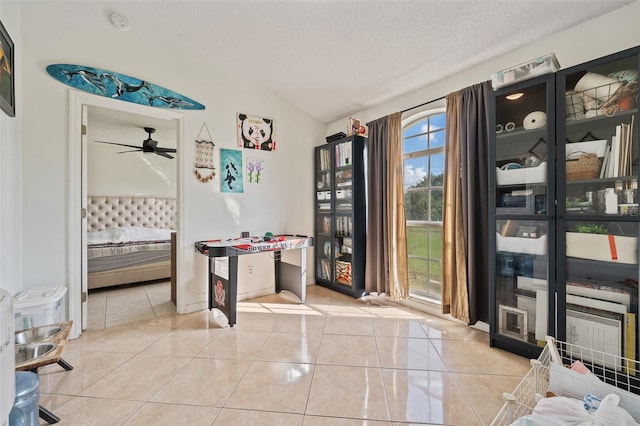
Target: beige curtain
<point x="386" y="258"/>
<point x="398" y="263"/>
<point x="455" y="299"/>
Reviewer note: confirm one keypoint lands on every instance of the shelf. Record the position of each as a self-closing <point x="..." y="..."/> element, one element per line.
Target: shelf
<point x="589" y="124"/>
<point x="521" y="134"/>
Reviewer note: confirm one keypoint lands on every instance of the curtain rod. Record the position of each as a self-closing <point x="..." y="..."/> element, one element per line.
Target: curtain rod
<point x="423" y="104"/>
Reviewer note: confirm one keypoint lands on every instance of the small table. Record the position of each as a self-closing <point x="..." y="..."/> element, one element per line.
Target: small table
<point x="223" y="282"/>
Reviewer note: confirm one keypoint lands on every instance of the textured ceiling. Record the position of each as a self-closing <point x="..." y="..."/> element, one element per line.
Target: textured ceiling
<point x="333" y="58"/>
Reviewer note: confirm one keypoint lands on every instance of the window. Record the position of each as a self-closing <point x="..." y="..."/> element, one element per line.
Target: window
<point x="423" y="139"/>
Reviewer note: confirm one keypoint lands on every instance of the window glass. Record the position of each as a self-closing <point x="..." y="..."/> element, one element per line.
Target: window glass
<point x="423" y="174"/>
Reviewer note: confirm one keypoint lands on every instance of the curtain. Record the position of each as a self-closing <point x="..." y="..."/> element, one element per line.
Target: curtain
<point x="386" y="258"/>
<point x="465" y="258"/>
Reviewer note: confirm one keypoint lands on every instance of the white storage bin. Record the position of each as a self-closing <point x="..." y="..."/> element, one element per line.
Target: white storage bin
<point x="523" y="175"/>
<point x="38" y="307"/>
<point x="522" y="245"/>
<point x="533" y="68"/>
<point x="617" y="248"/>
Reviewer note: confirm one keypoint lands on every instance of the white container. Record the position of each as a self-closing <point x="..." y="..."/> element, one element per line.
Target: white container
<point x="522" y="245"/>
<point x="533" y="68"/>
<point x="536" y="174"/>
<point x="599" y="247"/>
<point x="38" y="307"/>
<point x="610" y="201"/>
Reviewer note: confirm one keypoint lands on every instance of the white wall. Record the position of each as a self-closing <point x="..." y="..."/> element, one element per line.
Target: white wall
<point x="604" y="35"/>
<point x="65" y="32"/>
<point x="11" y="167"/>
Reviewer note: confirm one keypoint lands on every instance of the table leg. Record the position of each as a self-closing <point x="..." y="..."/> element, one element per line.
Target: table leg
<point x="223" y="288"/>
<point x="64" y="364"/>
<point x="277" y="259"/>
<point x="292" y="277"/>
<point x="47" y="415"/>
<point x="233" y="289"/>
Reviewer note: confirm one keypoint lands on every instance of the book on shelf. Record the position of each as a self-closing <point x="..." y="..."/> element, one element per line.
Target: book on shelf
<point x="605" y="162"/>
<point x="325" y="269"/>
<point x="602" y="305"/>
<point x="630" y="344"/>
<point x="598" y="330"/>
<point x="620" y="160"/>
<point x="602" y="312"/>
<point x="611" y="292"/>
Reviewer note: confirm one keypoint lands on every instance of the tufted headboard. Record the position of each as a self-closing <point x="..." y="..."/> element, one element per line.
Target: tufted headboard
<point x="147" y="212"/>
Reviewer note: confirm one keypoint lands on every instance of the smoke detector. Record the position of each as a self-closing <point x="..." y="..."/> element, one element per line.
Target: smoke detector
<point x="119" y="21"/>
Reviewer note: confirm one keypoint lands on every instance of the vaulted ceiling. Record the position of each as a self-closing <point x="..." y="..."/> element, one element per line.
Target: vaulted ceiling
<point x="333" y="58"/>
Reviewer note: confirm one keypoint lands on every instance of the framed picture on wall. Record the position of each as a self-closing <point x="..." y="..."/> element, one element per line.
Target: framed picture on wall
<point x="231" y="166"/>
<point x="7" y="83"/>
<point x="256" y="132"/>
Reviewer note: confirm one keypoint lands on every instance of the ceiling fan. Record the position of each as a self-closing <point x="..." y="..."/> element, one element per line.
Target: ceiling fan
<point x="148" y="145"/>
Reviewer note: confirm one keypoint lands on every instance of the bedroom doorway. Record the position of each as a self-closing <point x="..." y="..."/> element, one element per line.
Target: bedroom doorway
<point x="131" y="215"/>
<point x="84" y="112"/>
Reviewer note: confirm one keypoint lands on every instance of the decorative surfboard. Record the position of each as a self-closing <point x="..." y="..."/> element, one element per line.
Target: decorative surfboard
<point x="119" y="86"/>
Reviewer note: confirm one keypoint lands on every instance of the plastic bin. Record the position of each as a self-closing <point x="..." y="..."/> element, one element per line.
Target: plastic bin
<point x="28" y="396"/>
<point x="38" y="307"/>
<point x="17" y="417"/>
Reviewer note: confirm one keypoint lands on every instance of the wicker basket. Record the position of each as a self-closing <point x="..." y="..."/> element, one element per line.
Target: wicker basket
<point x="585" y="167"/>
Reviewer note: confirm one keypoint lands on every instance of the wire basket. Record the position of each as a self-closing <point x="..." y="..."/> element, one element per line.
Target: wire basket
<point x="549" y="373"/>
<point x="587" y="166"/>
<point x="605" y="100"/>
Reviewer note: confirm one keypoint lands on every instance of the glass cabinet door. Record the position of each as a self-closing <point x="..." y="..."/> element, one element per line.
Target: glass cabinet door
<point x="344" y="212"/>
<point x="598" y="204"/>
<point x="521" y="187"/>
<point x="324" y="215"/>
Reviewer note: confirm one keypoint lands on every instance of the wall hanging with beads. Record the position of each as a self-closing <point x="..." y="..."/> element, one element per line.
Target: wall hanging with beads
<point x="204" y="168"/>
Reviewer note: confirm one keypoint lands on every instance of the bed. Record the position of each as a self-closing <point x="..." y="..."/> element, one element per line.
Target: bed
<point x="129" y="239"/>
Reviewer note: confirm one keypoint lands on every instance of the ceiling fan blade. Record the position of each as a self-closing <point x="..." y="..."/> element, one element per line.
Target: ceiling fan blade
<point x="120" y="144"/>
<point x="164" y="154"/>
<point x="166" y="150"/>
<point x="133" y="150"/>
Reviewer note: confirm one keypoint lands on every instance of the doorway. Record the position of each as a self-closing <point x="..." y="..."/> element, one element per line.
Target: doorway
<point x="131" y="213"/>
<point x="82" y="109"/>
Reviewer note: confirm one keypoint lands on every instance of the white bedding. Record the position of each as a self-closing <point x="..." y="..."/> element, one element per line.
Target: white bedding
<point x="128" y="234"/>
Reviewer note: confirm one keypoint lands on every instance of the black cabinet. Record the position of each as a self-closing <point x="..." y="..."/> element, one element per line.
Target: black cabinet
<point x="565" y="257"/>
<point x="522" y="225"/>
<point x="340" y="215"/>
<point x="598" y="222"/>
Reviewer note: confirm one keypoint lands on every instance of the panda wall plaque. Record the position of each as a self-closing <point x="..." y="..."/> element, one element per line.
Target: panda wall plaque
<point x="256" y="133"/>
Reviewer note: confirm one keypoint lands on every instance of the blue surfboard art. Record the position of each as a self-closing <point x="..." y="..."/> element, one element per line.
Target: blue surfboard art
<point x="119" y="86"/>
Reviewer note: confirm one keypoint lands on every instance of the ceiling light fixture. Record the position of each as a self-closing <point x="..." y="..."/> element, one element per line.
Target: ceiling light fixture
<point x="119" y="21"/>
<point x="514" y="96"/>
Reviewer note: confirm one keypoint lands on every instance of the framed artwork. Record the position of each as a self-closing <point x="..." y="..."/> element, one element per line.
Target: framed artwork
<point x="255" y="169"/>
<point x="256" y="133"/>
<point x="231" y="166"/>
<point x="7" y="81"/>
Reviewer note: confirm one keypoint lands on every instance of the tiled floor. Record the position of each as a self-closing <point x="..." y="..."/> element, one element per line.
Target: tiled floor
<point x="331" y="361"/>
